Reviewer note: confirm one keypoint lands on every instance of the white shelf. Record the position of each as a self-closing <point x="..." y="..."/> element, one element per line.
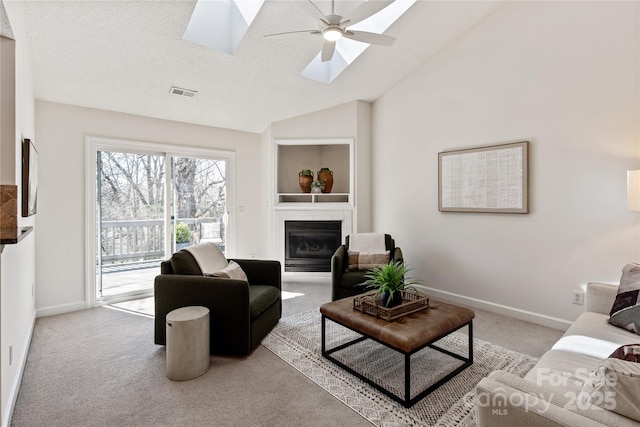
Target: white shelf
<point x="313" y="197"/>
<point x="292" y="156"/>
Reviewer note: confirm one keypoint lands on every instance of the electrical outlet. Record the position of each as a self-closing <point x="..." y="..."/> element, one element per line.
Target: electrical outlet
<point x="578" y="297"/>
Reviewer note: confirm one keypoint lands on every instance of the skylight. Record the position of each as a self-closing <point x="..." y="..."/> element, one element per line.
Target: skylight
<point x="348" y="50"/>
<point x="221" y="24"/>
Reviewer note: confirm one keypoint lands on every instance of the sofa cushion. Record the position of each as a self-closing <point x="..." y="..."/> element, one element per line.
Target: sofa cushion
<point x="594" y="326"/>
<point x="600" y="297"/>
<point x="562" y="371"/>
<point x="625" y="312"/>
<point x="362" y="261"/>
<point x="231" y="271"/>
<point x="615" y="385"/>
<point x="261" y="298"/>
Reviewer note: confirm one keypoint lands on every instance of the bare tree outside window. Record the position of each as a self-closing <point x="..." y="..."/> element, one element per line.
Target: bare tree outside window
<point x="200" y="198"/>
<point x="200" y="185"/>
<point x="132" y="186"/>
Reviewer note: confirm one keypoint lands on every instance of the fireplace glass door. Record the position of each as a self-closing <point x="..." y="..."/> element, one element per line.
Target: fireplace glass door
<point x="309" y="245"/>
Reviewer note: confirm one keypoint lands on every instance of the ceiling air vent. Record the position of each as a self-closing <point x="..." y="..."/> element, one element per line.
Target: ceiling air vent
<point x="183" y="92"/>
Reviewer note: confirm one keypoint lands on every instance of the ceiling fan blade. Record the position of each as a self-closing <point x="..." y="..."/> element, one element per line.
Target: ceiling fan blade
<point x="365" y="10"/>
<point x="371" y="38"/>
<point x="312" y="9"/>
<point x="293" y="32"/>
<point x="328" y="48"/>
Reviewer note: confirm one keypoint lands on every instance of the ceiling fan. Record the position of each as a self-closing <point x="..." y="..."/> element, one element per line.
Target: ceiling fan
<point x="333" y="27"/>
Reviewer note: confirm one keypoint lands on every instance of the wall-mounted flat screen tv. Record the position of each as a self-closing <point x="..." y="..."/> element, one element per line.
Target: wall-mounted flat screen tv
<point x="29" y="178"/>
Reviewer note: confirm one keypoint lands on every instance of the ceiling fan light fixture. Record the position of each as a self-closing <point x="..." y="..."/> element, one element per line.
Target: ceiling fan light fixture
<point x="332" y="34"/>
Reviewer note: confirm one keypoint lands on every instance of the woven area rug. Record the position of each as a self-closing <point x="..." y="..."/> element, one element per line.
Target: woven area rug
<point x="296" y="340"/>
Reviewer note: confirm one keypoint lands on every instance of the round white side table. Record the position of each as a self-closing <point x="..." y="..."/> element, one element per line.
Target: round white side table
<point x="187" y="343"/>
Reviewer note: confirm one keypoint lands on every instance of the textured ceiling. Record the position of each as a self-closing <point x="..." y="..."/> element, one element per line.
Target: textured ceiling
<point x="125" y="55"/>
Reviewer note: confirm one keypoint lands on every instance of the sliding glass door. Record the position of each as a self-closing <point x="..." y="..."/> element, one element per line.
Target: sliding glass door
<point x="199" y="201"/>
<point x="131" y="216"/>
<point x="149" y="205"/>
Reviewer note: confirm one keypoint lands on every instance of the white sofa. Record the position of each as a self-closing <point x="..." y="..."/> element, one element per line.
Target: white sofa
<point x="550" y="394"/>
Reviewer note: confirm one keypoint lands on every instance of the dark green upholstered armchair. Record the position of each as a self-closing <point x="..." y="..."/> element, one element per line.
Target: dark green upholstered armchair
<point x="346" y="283"/>
<point x="242" y="313"/>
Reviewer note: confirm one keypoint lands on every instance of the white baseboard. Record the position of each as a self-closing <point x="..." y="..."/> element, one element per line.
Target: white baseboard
<point x="528" y="316"/>
<point x="61" y="309"/>
<point x="15" y="387"/>
<point x="306" y="275"/>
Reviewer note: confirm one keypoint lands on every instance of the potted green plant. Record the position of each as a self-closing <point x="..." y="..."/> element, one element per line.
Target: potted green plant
<point x="183" y="235"/>
<point x="389" y="280"/>
<point x="317" y="186"/>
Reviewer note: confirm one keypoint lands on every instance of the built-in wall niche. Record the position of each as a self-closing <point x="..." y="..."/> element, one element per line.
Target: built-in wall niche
<point x="293" y="156"/>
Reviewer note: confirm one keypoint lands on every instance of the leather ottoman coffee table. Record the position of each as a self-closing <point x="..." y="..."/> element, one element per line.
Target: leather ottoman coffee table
<point x="407" y="335"/>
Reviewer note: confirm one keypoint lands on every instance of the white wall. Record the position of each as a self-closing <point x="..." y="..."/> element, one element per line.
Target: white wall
<point x="563" y="75"/>
<point x="266" y="188"/>
<point x="61" y="135"/>
<point x="18" y="261"/>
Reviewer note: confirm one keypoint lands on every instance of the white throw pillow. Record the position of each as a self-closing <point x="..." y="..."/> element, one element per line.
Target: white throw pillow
<point x="231" y="271"/>
<point x="367" y="242"/>
<point x="208" y="256"/>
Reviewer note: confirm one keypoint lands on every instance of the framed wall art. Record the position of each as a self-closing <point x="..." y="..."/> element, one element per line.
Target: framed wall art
<point x="492" y="178"/>
<point x="29" y="178"/>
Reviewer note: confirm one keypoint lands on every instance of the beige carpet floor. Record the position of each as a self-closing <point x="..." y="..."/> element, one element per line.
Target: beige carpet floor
<point x="100" y="367"/>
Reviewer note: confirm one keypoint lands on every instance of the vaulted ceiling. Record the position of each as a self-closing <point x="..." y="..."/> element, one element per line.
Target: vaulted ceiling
<point x="125" y="55"/>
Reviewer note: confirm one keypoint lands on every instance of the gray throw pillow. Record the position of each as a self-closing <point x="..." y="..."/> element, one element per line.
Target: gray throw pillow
<point x="625" y="312"/>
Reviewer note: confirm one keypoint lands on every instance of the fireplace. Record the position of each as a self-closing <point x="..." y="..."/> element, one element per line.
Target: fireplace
<point x="309" y="245"/>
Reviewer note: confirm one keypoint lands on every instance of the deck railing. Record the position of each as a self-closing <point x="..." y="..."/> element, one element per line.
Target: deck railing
<point x="143" y="240"/>
<point x="134" y="240"/>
